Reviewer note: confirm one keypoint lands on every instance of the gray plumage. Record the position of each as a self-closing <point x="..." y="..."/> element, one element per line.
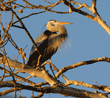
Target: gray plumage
<point x="48" y="42"/>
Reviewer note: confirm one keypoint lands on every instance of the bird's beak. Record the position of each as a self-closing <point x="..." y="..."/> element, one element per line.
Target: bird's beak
<point x="65" y="23"/>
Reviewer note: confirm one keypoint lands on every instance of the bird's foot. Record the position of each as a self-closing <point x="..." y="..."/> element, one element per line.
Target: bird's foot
<point x="39" y="68"/>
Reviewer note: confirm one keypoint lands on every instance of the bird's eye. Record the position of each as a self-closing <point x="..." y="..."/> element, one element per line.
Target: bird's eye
<point x="54" y="20"/>
<point x="53" y="23"/>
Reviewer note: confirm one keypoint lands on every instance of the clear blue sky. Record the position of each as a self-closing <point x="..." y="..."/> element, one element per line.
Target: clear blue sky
<point x="88" y="41"/>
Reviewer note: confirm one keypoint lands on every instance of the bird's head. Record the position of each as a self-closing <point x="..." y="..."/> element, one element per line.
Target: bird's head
<point x="55" y="22"/>
<point x="53" y="25"/>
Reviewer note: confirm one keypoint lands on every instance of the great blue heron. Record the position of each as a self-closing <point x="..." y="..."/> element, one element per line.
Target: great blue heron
<point x="48" y="42"/>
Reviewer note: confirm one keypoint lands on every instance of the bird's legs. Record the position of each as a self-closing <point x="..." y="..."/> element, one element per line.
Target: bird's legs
<point x="51" y="68"/>
<point x="38" y="61"/>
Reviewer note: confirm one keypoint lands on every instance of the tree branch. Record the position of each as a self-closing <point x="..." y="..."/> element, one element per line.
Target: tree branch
<point x="64" y="69"/>
<point x="32" y="71"/>
<point x="65" y="91"/>
<point x="23" y="26"/>
<point x="81" y="83"/>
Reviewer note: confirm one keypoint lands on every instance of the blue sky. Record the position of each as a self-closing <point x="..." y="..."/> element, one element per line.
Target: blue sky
<point x="88" y="41"/>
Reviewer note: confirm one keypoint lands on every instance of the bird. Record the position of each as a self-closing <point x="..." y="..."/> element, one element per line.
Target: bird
<point x="48" y="42"/>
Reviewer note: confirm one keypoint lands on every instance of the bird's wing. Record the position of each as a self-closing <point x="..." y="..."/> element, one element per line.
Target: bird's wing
<point x="39" y="40"/>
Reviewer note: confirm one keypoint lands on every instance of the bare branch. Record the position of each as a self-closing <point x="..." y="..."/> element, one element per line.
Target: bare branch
<point x="55" y="68"/>
<point x="66" y="91"/>
<point x="55" y="86"/>
<point x="81" y="83"/>
<point x="9" y="91"/>
<point x="28" y="16"/>
<point x="32" y="71"/>
<point x="23" y="26"/>
<point x="19" y="77"/>
<point x="64" y="69"/>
